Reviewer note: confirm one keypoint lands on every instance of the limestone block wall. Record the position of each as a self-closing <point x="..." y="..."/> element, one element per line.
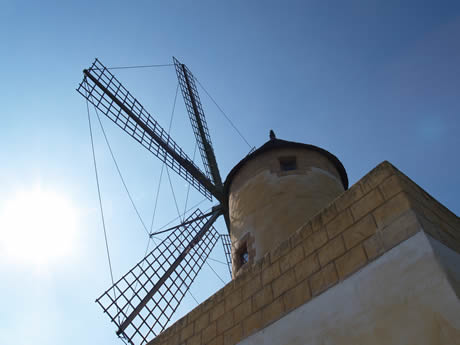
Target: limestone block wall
<point x="401" y="298"/>
<point x="379" y="212"/>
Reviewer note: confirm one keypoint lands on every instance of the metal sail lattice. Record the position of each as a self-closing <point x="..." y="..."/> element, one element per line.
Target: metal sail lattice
<point x="187" y="83"/>
<point x="116" y="111"/>
<point x="227" y="244"/>
<point x="127" y="293"/>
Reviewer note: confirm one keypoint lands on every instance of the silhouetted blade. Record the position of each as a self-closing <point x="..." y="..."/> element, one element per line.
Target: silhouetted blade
<point x="198" y="120"/>
<point x="107" y="94"/>
<point x="151" y="274"/>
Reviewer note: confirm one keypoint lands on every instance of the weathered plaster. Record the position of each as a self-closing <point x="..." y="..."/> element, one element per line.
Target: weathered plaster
<point x="404" y="297"/>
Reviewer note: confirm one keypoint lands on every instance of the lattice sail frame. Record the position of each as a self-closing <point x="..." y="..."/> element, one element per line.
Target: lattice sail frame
<point x="90" y="90"/>
<point x="186" y="78"/>
<point x="227" y="244"/>
<point x="126" y="293"/>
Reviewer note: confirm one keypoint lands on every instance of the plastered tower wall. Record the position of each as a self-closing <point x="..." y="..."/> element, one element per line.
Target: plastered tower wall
<point x="267" y="204"/>
<point x="379" y="265"/>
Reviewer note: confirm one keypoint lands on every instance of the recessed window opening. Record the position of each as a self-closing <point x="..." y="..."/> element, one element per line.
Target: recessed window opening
<point x="288" y="163"/>
<point x="243" y="255"/>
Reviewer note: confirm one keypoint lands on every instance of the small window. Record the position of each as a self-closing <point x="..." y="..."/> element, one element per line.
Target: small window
<point x="288" y="163"/>
<point x="243" y="255"/>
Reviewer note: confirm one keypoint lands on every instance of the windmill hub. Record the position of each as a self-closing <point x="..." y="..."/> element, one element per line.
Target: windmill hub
<point x="274" y="191"/>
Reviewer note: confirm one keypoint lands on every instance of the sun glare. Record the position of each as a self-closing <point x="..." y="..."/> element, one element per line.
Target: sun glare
<point x="37" y="227"/>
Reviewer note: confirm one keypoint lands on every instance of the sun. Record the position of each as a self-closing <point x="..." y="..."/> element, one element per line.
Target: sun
<point x="38" y="228"/>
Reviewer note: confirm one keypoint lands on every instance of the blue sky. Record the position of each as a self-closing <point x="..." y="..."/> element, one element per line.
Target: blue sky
<point x="367" y="80"/>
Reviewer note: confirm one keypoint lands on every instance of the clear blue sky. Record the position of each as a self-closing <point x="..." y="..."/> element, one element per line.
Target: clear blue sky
<point x="367" y="80"/>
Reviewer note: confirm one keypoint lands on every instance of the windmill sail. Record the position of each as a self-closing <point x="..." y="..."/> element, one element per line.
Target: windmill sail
<point x="198" y="120"/>
<point x="227" y="244"/>
<point x="169" y="270"/>
<point x="106" y="93"/>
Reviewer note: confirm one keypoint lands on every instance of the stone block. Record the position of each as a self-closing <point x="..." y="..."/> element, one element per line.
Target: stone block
<point x="316" y="222"/>
<point x="297" y="296"/>
<point x="194" y="340"/>
<point x="172" y="340"/>
<point x="217" y="311"/>
<point x="273" y="311"/>
<point x="328" y="213"/>
<point x="224" y="322"/>
<point x="252" y="323"/>
<point x="305" y="231"/>
<point x="209" y="333"/>
<point x="331" y="250"/>
<point x="182" y="322"/>
<point x="282" y="249"/>
<point x="400" y="229"/>
<point x="359" y="231"/>
<point x="323" y="279"/>
<point x="284" y="282"/>
<point x="374" y="246"/>
<point x="243" y="276"/>
<point x="353" y="194"/>
<point x="270" y="273"/>
<point x="391" y="186"/>
<point x="261" y="264"/>
<point x="201" y="322"/>
<point x="377" y="176"/>
<point x="262" y="298"/>
<point x="252" y="286"/>
<point x="353" y="260"/>
<point x="208" y="304"/>
<point x="307" y="267"/>
<point x="366" y="204"/>
<point x="186" y="332"/>
<point x="296" y="239"/>
<point x="232" y="300"/>
<point x="233" y="335"/>
<point x="339" y="224"/>
<point x="195" y="313"/>
<point x="391" y="210"/>
<point x="219" y="340"/>
<point x="315" y="241"/>
<point x="291" y="258"/>
<point x="243" y="310"/>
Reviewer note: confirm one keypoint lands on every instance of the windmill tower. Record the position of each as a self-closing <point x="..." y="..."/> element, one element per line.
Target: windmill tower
<point x="273" y="191"/>
<point x="312" y="261"/>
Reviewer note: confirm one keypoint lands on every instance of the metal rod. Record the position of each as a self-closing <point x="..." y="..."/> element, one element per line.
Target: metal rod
<point x="184" y="223"/>
<point x="217" y="211"/>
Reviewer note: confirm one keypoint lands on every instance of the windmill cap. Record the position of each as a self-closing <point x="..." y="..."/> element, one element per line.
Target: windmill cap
<point x="275" y="143"/>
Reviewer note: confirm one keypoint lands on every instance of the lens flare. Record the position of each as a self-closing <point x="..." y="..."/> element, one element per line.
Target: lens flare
<point x="38" y="228"/>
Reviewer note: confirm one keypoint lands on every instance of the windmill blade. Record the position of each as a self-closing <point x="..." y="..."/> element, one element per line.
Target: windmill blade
<point x="198" y="120"/>
<point x="227" y="244"/>
<point x="143" y="301"/>
<point x="106" y="93"/>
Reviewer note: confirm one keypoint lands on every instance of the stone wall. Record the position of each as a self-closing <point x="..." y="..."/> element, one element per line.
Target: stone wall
<point x="380" y="211"/>
<point x="403" y="297"/>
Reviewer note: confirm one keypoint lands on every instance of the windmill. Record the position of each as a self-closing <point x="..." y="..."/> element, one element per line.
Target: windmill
<point x="143" y="301"/>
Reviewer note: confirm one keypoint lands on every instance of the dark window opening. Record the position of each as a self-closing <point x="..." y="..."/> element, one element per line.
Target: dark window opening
<point x="243" y="255"/>
<point x="288" y="163"/>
